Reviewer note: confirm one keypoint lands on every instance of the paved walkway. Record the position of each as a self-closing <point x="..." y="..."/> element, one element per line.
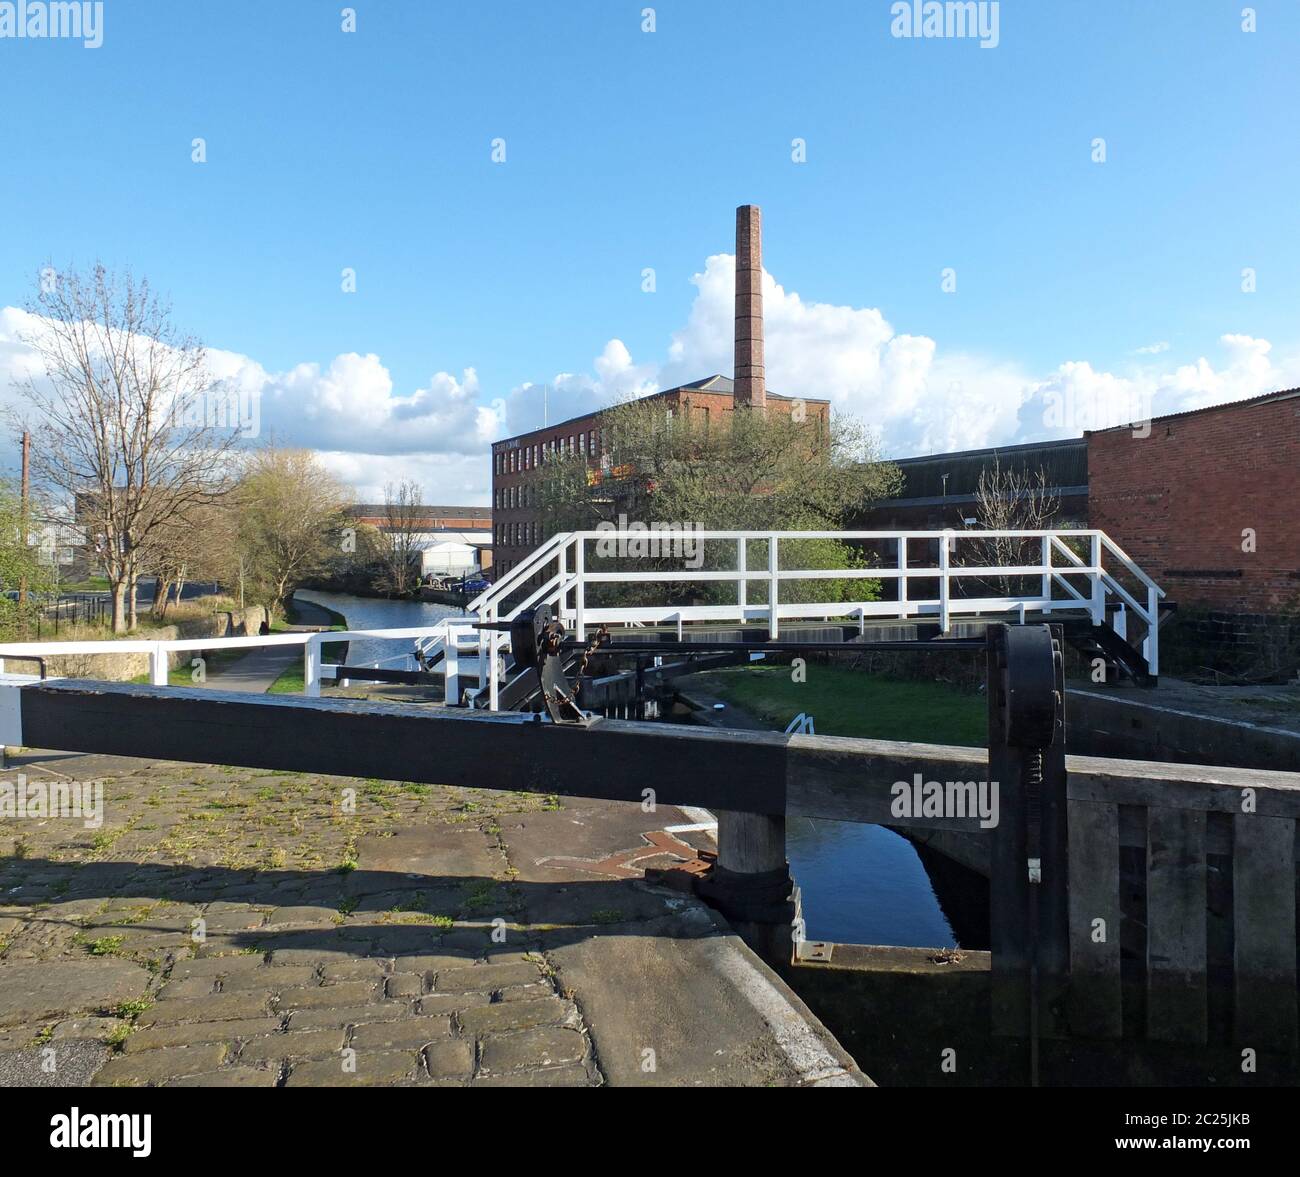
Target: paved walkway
<point x="256" y="671"/>
<point x="235" y="927"/>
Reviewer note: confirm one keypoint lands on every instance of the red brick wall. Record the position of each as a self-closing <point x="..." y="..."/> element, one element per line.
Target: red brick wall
<point x="1179" y="500"/>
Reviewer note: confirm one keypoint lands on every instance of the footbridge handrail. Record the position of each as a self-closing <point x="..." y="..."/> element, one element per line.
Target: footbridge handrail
<point x="1055" y="579"/>
<point x="929" y="557"/>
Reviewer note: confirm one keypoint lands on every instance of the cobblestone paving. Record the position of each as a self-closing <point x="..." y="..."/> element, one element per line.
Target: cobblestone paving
<point x="241" y="928"/>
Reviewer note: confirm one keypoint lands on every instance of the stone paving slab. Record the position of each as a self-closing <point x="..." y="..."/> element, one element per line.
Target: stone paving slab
<point x="30" y="992"/>
<point x="231" y="927"/>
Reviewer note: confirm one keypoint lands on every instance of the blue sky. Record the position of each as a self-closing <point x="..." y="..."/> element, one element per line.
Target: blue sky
<point x="627" y="150"/>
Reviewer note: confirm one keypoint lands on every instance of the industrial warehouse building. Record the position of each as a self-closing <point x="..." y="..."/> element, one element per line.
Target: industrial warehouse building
<point x="517" y="461"/>
<point x="448" y="540"/>
<point x="1205" y="501"/>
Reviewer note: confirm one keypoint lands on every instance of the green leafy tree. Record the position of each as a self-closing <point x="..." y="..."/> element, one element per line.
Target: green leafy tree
<point x="290" y="523"/>
<point x="747" y="471"/>
<point x="20" y="566"/>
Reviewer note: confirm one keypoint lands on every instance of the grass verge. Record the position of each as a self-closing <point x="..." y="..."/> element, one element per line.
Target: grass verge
<point x="291" y="681"/>
<point x="847" y="702"/>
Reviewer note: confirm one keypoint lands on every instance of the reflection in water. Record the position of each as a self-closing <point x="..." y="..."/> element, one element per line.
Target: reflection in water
<point x="861" y="884"/>
<point x="864" y="885"/>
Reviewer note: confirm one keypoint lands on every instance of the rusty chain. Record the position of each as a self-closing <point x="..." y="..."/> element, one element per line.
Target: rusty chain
<point x="601" y="636"/>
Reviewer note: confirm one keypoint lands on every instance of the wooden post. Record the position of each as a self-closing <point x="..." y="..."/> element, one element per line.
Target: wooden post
<point x="742" y="565"/>
<point x="579" y="589"/>
<point x="157" y="665"/>
<point x="751" y="883"/>
<point x="451" y="668"/>
<point x="311" y="653"/>
<point x="1097" y="597"/>
<point x="751" y="843"/>
<point x="773" y="594"/>
<point x="1263" y="895"/>
<point x="1029" y="879"/>
<point x="562" y="604"/>
<point x="902" y="578"/>
<point x="1177" y="985"/>
<point x="1008" y="876"/>
<point x="482" y="643"/>
<point x="1151" y="643"/>
<point x="1096" y="996"/>
<point x="943" y="582"/>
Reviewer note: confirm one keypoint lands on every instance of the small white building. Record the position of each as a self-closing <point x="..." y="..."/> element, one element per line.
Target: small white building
<point x="450" y="553"/>
<point x="58" y="543"/>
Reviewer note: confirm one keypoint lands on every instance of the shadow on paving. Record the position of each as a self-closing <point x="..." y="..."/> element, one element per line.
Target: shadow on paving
<point x="398" y="967"/>
<point x="359" y="974"/>
<point x="389" y="908"/>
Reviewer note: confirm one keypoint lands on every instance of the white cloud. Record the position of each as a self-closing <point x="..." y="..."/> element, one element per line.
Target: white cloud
<point x="348" y="410"/>
<point x="351" y="405"/>
<point x="568" y="394"/>
<point x="917" y="396"/>
<point x="898" y="384"/>
<point x="922" y="399"/>
<point x="451" y="479"/>
<point x="1076" y="397"/>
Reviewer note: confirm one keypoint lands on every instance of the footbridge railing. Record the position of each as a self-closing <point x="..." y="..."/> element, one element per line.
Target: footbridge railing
<point x="771" y="577"/>
<point x="442" y="645"/>
<point x="694" y="578"/>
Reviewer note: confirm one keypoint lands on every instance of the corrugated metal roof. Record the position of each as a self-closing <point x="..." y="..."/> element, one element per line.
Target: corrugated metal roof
<point x="1065" y="463"/>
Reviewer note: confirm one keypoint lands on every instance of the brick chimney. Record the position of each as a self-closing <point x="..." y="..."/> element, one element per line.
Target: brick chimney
<point x="750" y="385"/>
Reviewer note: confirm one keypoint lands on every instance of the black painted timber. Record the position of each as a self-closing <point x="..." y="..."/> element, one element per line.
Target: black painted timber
<point x="832" y="777"/>
<point x="611" y="759"/>
<point x="382" y="674"/>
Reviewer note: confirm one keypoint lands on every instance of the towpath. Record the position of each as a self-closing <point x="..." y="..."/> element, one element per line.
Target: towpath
<point x="257" y="670"/>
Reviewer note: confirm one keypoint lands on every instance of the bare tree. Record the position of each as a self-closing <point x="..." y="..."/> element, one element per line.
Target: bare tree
<point x="197" y="548"/>
<point x="20" y="564"/>
<point x="122" y="422"/>
<point x="404" y="520"/>
<point x="1011" y="500"/>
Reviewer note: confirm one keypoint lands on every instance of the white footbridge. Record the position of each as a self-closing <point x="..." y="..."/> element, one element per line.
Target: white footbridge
<point x="754" y="579"/>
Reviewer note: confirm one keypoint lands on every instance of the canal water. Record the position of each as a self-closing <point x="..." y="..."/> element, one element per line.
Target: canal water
<point x="377" y="613"/>
<point x="861" y="884"/>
